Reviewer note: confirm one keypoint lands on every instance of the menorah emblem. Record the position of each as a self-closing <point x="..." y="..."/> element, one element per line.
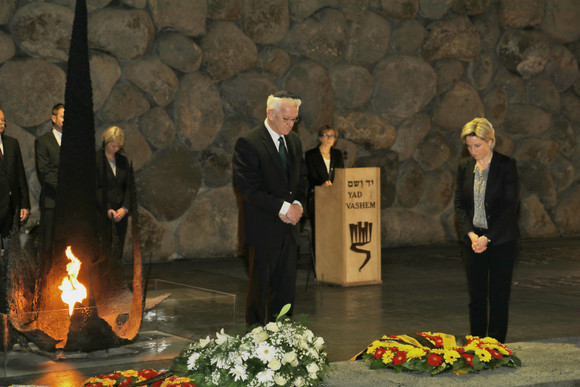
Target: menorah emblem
<point x="359" y="236"/>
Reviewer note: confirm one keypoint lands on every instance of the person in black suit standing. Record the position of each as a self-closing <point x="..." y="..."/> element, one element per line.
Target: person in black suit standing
<point x="113" y="188"/>
<point x="47" y="158"/>
<point x="270" y="175"/>
<point x="486" y="206"/>
<point x="321" y="162"/>
<point x="14" y="199"/>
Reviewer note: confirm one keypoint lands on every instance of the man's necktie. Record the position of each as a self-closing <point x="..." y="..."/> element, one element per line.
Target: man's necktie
<point x="283" y="154"/>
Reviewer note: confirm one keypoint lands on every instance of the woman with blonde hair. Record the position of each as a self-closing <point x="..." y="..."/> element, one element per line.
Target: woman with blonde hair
<point x="114" y="176"/>
<point x="486" y="205"/>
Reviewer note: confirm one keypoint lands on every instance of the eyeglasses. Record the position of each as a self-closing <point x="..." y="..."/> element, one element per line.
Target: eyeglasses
<point x="293" y="120"/>
<point x="328" y="136"/>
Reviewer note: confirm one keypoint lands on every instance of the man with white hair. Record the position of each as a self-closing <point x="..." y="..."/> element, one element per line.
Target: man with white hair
<point x="270" y="175"/>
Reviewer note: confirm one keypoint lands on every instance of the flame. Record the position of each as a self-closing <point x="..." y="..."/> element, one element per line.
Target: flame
<point x="72" y="290"/>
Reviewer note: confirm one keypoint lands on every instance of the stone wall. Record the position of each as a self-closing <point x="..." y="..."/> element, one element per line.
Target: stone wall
<point x="398" y="78"/>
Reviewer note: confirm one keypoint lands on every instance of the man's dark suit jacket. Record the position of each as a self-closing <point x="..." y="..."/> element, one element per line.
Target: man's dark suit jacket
<point x="13" y="184"/>
<point x="47" y="157"/>
<point x="264" y="185"/>
<point x="116" y="188"/>
<point x="317" y="173"/>
<point x="501" y="199"/>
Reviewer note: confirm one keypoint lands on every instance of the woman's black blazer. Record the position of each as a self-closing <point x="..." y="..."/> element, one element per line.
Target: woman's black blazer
<point x="501" y="199"/>
<point x="317" y="173"/>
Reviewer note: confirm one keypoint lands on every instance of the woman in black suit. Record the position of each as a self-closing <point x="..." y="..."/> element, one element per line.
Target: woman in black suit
<point x="321" y="163"/>
<point x="486" y="204"/>
<point x="113" y="189"/>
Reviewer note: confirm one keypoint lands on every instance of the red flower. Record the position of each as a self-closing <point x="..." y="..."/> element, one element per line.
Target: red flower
<point x="148" y="373"/>
<point x="438" y="342"/>
<point x="400" y="358"/>
<point x="114" y="375"/>
<point x="495" y="353"/>
<point x="468" y="358"/>
<point x="379" y="353"/>
<point x="99" y="384"/>
<point x="125" y="382"/>
<point x="434" y="360"/>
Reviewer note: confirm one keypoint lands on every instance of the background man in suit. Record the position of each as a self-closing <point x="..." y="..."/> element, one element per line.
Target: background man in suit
<point x="270" y="175"/>
<point x="13" y="198"/>
<point x="47" y="158"/>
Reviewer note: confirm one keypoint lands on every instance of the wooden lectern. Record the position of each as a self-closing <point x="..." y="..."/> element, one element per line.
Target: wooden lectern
<point x="348" y="228"/>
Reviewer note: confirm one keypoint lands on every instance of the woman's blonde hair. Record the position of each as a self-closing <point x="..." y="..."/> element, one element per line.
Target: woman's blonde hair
<point x="114" y="133"/>
<point x="481" y="128"/>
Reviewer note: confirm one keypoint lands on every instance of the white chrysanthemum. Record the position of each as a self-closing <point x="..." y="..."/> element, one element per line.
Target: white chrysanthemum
<point x="239" y="356"/>
<point x="220" y="361"/>
<point x="265" y="352"/>
<point x="308" y="335"/>
<point x="239" y="373"/>
<point x="279" y="380"/>
<point x="274" y="364"/>
<point x="299" y="382"/>
<point x="192" y="360"/>
<point x="289" y="357"/>
<point x="272" y="326"/>
<point x="266" y="376"/>
<point x="294" y="363"/>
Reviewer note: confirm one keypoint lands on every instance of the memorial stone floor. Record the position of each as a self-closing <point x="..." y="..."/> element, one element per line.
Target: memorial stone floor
<point x="424" y="289"/>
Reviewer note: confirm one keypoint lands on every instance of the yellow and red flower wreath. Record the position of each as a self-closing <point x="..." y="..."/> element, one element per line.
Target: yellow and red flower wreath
<point x="436" y="353"/>
<point x="130" y="377"/>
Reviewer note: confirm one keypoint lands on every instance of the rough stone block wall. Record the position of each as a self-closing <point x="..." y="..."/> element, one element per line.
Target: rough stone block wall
<point x="398" y="78"/>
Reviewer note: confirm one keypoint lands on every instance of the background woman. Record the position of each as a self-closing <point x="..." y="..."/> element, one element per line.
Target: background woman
<point x="486" y="203"/>
<point x="321" y="163"/>
<point x="113" y="188"/>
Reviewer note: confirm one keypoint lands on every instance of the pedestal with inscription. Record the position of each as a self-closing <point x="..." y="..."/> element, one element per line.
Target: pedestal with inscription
<point x="348" y="228"/>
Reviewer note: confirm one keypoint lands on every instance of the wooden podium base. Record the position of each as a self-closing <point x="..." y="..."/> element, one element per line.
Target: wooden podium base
<point x="348" y="228"/>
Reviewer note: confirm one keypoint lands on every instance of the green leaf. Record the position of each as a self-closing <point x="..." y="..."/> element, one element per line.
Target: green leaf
<point x="516" y="361"/>
<point x="377" y="365"/>
<point x="285" y="309"/>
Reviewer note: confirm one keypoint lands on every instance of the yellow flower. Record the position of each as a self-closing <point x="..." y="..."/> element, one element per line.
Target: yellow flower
<point x="415" y="353"/>
<point x="173" y="381"/>
<point x="451" y="356"/>
<point x="374" y="345"/>
<point x="388" y="357"/>
<point x="503" y="350"/>
<point x="473" y="346"/>
<point x="129" y="373"/>
<point x="483" y="355"/>
<point x="108" y="382"/>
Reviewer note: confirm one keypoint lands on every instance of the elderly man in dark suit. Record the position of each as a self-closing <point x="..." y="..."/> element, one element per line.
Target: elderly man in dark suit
<point x="47" y="158"/>
<point x="270" y="175"/>
<point x="14" y="200"/>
